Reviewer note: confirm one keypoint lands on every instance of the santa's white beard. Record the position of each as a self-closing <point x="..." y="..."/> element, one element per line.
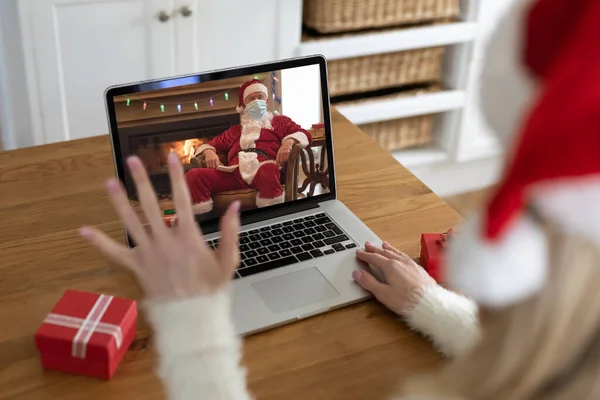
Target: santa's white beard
<point x="264" y="122"/>
<point x="251" y="129"/>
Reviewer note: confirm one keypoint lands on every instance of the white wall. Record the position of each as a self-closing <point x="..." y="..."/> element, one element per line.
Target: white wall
<point x="301" y="95"/>
<point x="15" y="124"/>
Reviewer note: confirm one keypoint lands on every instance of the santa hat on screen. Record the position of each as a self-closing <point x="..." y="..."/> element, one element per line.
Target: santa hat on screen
<point x="248" y="88"/>
<point x="501" y="254"/>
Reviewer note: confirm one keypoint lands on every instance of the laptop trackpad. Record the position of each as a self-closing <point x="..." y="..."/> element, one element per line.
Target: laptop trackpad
<point x="294" y="290"/>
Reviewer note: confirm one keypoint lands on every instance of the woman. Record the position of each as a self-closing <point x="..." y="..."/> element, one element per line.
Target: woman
<point x="530" y="260"/>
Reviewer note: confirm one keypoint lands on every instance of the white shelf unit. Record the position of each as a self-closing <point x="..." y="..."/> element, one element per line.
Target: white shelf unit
<point x="457" y="37"/>
<point x="387" y="109"/>
<point x="418" y="156"/>
<point x="390" y="41"/>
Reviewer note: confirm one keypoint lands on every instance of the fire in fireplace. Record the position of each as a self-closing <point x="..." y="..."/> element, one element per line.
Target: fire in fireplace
<point x="154" y="155"/>
<point x="153" y="142"/>
<point x="184" y="149"/>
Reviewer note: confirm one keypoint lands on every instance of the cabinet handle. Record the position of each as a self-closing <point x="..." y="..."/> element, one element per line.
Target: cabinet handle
<point x="163" y="16"/>
<point x="185" y="11"/>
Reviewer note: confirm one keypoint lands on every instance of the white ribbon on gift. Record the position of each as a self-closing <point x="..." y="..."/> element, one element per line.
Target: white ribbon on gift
<point x="87" y="326"/>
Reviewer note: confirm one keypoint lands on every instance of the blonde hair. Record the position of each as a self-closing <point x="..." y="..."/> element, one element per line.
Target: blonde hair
<point x="547" y="347"/>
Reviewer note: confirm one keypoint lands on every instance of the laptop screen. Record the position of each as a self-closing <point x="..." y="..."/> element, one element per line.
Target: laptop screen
<point x="258" y="136"/>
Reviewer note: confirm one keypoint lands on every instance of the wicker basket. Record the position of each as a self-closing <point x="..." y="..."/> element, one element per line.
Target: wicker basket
<point x="401" y="133"/>
<point x="330" y="16"/>
<point x="363" y="74"/>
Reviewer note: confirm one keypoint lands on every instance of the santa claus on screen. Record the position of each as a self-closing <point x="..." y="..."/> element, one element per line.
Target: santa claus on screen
<point x="256" y="150"/>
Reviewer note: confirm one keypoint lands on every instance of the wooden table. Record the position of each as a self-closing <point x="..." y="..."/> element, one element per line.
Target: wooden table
<point x="47" y="192"/>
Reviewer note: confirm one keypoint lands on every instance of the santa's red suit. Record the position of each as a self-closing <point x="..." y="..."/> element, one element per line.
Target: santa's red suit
<point x="251" y="148"/>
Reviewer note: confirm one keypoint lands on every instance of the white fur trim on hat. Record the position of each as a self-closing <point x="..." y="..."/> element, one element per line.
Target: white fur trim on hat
<point x="300" y="137"/>
<point x="262" y="202"/>
<point x="239" y="109"/>
<point x="255" y="87"/>
<point x="573" y="205"/>
<point x="501" y="272"/>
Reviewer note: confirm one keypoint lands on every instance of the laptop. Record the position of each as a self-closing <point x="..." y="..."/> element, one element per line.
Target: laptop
<point x="297" y="241"/>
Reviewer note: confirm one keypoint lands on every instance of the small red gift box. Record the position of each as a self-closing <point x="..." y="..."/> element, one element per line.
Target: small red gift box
<point x="170" y="220"/>
<point x="87" y="334"/>
<point x="433" y="247"/>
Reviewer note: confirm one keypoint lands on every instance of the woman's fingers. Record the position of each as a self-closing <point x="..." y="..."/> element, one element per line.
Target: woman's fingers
<point x="375" y="259"/>
<point x="116" y="252"/>
<point x="368" y="282"/>
<point x="147" y="196"/>
<point x="371" y="248"/>
<point x="228" y="250"/>
<point x="387" y="246"/>
<point x="181" y="196"/>
<point x="120" y="203"/>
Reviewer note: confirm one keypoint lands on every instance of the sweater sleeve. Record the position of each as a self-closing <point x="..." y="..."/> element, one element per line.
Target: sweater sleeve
<point x="448" y="319"/>
<point x="199" y="351"/>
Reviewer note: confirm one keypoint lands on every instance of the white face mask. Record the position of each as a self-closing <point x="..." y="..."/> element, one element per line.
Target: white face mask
<point x="256" y="109"/>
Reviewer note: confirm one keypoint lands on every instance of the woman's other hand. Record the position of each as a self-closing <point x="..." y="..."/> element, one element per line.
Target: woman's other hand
<point x="405" y="278"/>
<point x="171" y="262"/>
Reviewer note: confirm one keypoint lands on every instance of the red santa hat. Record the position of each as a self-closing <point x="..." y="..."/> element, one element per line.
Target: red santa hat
<point x="248" y="88"/>
<point x="501" y="255"/>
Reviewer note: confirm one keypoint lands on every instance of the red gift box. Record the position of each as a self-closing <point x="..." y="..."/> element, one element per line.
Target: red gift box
<point x="87" y="334"/>
<point x="433" y="247"/>
<point x="170" y="220"/>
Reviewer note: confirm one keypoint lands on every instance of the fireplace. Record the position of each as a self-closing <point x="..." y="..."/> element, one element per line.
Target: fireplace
<point x="153" y="142"/>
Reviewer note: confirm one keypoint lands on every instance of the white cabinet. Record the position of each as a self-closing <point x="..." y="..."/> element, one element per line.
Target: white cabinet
<point x="225" y="33"/>
<point x="76" y="48"/>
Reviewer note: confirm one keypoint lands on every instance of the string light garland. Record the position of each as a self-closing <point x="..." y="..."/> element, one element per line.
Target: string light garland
<point x="180" y="106"/>
<point x="196" y="103"/>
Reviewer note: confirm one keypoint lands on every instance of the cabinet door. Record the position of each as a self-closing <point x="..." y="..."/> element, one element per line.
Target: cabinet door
<point x="225" y="33"/>
<point x="75" y="49"/>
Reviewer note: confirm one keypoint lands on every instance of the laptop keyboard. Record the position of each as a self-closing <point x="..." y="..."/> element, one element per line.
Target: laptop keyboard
<point x="287" y="243"/>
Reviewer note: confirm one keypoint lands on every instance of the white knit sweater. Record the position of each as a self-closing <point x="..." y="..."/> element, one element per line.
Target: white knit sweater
<point x="199" y="352"/>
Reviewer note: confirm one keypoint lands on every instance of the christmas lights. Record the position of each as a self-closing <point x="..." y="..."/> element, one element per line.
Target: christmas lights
<point x="179" y="106"/>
